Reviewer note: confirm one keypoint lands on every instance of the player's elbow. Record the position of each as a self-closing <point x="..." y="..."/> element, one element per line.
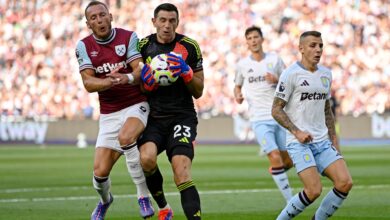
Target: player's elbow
<point x="274" y="112"/>
<point x="197" y="95"/>
<point x="197" y="92"/>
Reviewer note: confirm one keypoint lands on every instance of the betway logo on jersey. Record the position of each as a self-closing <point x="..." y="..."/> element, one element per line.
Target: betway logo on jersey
<point x="313" y="96"/>
<point x="108" y="67"/>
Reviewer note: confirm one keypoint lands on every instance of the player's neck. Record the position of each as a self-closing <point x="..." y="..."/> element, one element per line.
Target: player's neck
<point x="258" y="56"/>
<point x="312" y="67"/>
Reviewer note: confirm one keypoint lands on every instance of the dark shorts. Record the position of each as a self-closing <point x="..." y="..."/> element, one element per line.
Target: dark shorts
<point x="175" y="135"/>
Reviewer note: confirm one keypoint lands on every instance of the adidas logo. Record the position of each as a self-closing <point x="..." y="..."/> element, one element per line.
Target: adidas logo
<point x="305" y="83"/>
<point x="184" y="140"/>
<point x="250" y="70"/>
<point x="197" y="214"/>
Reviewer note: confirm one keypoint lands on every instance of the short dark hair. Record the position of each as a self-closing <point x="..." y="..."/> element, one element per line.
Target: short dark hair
<point x="309" y="33"/>
<point x="166" y="7"/>
<point x="253" y="28"/>
<point x="92" y="3"/>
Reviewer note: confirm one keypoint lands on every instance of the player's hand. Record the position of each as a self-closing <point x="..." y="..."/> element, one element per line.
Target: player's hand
<point x="147" y="77"/>
<point x="239" y="97"/>
<point x="117" y="78"/>
<point x="271" y="78"/>
<point x="303" y="137"/>
<point x="179" y="67"/>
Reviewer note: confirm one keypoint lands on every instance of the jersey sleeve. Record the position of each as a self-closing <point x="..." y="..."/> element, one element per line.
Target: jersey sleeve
<point x="82" y="57"/>
<point x="330" y="85"/>
<point x="195" y="59"/>
<point x="133" y="48"/>
<point x="279" y="67"/>
<point x="239" y="78"/>
<point x="285" y="86"/>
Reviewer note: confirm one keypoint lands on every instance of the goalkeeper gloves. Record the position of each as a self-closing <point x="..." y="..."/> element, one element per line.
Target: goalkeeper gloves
<point x="148" y="78"/>
<point x="179" y="67"/>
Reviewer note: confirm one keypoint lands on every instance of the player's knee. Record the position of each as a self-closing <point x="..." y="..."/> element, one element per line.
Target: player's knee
<point x="99" y="170"/>
<point x="126" y="139"/>
<point x="287" y="163"/>
<point x="181" y="166"/>
<point x="313" y="192"/>
<point x="148" y="162"/>
<point x="344" y="185"/>
<point x="275" y="159"/>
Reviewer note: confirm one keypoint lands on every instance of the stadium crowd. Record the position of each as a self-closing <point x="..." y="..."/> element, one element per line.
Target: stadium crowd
<point x="39" y="72"/>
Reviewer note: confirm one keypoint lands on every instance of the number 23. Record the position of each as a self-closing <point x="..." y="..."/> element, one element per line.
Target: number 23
<point x="181" y="131"/>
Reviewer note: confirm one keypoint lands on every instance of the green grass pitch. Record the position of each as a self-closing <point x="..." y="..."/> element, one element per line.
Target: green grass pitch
<point x="55" y="183"/>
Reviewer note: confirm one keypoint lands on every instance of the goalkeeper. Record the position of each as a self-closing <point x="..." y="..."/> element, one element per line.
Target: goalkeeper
<point x="172" y="123"/>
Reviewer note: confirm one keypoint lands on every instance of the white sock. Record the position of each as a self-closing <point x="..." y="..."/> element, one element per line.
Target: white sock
<point x="102" y="185"/>
<point x="135" y="170"/>
<point x="281" y="180"/>
<point x="294" y="207"/>
<point x="330" y="203"/>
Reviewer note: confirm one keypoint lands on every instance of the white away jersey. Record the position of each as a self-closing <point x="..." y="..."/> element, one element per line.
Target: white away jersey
<point x="257" y="91"/>
<point x="305" y="93"/>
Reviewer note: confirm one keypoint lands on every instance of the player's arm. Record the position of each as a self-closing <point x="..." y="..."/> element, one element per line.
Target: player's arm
<point x="94" y="84"/>
<point x="280" y="115"/>
<point x="132" y="78"/>
<point x="193" y="80"/>
<point x="238" y="81"/>
<point x="282" y="118"/>
<point x="196" y="85"/>
<point x="238" y="94"/>
<point x="330" y="123"/>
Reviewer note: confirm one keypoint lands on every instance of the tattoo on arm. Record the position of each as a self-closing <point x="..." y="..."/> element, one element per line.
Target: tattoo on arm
<point x="280" y="115"/>
<point x="330" y="123"/>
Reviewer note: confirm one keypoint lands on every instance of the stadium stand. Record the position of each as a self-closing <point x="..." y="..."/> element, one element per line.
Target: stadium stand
<point x="39" y="74"/>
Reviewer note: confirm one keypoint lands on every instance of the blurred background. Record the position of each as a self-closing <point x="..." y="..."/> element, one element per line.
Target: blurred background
<point x="42" y="98"/>
<point x="45" y="112"/>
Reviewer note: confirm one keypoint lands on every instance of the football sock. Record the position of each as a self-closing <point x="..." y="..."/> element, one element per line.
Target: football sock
<point x="102" y="186"/>
<point x="154" y="180"/>
<point x="280" y="177"/>
<point x="190" y="200"/>
<point x="134" y="167"/>
<point x="331" y="202"/>
<point x="295" y="206"/>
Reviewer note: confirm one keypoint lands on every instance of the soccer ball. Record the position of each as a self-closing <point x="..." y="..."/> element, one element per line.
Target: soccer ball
<point x="162" y="74"/>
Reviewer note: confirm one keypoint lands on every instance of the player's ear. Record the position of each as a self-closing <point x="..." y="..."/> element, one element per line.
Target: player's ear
<point x="300" y="47"/>
<point x="89" y="26"/>
<point x="154" y="21"/>
<point x="111" y="19"/>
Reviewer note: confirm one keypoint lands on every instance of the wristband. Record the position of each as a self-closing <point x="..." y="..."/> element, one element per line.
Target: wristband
<point x="130" y="77"/>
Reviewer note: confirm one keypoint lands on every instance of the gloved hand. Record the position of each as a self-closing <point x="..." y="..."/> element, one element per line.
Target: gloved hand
<point x="147" y="77"/>
<point x="179" y="67"/>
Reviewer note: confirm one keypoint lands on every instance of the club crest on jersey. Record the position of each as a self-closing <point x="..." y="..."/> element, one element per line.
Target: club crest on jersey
<point x="94" y="53"/>
<point x="120" y="50"/>
<point x="270" y="66"/>
<point x="325" y="81"/>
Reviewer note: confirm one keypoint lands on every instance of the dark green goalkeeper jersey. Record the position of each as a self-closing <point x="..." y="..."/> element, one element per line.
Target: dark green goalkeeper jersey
<point x="174" y="99"/>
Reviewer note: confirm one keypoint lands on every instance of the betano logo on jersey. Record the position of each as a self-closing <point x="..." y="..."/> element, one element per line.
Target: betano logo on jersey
<point x="256" y="79"/>
<point x="108" y="67"/>
<point x="313" y="96"/>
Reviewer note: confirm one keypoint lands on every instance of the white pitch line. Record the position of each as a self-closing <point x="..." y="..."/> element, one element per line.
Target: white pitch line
<point x="211" y="192"/>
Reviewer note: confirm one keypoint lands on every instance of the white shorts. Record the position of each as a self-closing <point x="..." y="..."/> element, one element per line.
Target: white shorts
<point x="110" y="124"/>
